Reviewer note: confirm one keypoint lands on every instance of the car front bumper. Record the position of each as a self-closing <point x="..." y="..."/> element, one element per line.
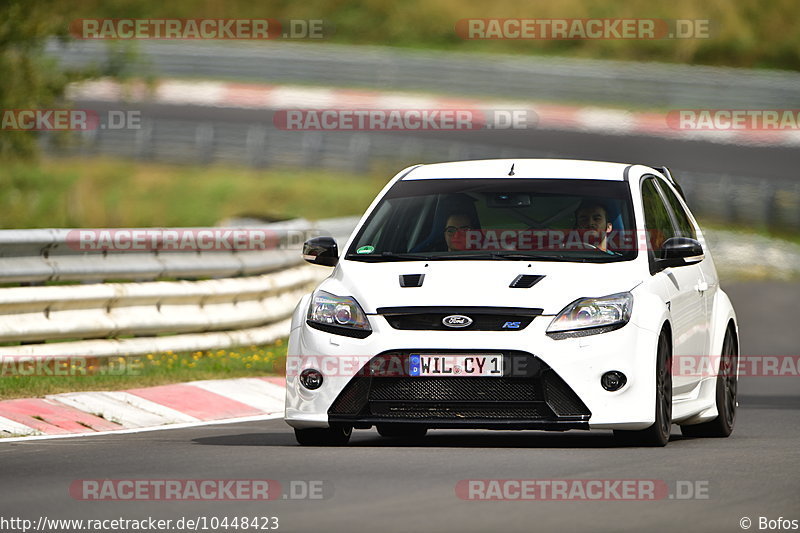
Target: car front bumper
<point x="559" y="372"/>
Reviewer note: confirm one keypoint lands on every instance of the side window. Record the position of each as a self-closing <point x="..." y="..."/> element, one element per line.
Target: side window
<point x="685" y="227"/>
<point x="656" y="217"/>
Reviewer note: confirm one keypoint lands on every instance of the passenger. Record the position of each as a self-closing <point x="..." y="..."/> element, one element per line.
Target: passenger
<point x="592" y="217"/>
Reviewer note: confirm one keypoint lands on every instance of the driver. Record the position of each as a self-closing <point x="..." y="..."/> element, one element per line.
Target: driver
<point x="457" y="224"/>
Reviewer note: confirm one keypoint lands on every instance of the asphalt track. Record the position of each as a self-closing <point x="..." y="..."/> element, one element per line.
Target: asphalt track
<point x="379" y="484"/>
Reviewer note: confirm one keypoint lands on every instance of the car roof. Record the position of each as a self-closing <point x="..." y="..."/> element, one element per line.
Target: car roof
<point x="522" y="168"/>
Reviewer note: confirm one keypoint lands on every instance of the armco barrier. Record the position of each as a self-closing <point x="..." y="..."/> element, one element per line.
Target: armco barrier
<point x="248" y="303"/>
<point x="655" y="85"/>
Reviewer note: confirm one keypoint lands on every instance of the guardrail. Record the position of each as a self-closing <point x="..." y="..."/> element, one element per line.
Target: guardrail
<point x="248" y="304"/>
<point x="513" y="76"/>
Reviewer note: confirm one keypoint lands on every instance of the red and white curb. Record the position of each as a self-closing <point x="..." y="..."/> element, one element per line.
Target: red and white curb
<point x="550" y="117"/>
<point x="166" y="406"/>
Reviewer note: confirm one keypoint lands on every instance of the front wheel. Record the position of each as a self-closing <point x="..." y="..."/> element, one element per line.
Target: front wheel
<point x="658" y="433"/>
<point x="331" y="436"/>
<point x="727" y="382"/>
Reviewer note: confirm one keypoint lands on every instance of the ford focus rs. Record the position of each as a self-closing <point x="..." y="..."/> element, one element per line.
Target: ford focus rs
<point x="516" y="294"/>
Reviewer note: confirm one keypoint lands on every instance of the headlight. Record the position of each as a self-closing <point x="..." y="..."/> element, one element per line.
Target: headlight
<point x="589" y="316"/>
<point x="337" y="314"/>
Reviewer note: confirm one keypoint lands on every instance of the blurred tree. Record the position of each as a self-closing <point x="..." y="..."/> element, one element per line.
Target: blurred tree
<point x="29" y="79"/>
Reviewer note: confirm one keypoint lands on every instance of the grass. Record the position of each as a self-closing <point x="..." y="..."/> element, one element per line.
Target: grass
<point x="119" y="373"/>
<point x="105" y="192"/>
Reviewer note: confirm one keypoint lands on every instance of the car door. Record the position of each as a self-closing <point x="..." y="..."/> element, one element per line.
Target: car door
<point x="687" y="313"/>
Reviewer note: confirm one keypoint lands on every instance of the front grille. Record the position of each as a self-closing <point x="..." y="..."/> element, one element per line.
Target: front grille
<point x="529" y="391"/>
<point x="464" y="411"/>
<point x="354" y="396"/>
<point x="560" y="397"/>
<point x="483" y="318"/>
<point x="455" y="389"/>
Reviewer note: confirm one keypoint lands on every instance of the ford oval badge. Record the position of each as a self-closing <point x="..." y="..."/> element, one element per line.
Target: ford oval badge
<point x="457" y="321"/>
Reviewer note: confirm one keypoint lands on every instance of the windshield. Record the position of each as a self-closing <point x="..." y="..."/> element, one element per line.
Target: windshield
<point x="541" y="219"/>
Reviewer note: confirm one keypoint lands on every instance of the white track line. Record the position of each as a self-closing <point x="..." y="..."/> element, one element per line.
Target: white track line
<point x="256" y="418"/>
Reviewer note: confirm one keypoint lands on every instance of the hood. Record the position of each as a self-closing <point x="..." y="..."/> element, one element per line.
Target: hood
<point x="479" y="283"/>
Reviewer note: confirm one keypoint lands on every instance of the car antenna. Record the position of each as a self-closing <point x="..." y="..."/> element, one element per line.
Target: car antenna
<point x="511" y="172"/>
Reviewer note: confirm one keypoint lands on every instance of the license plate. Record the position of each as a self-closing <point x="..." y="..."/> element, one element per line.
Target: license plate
<point x="441" y="365"/>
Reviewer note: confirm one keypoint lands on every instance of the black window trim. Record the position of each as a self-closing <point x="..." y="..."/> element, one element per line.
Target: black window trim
<point x="683" y="205"/>
<point x="651" y="259"/>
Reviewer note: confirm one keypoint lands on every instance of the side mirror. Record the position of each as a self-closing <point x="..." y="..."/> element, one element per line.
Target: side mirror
<point x="680" y="251"/>
<point x="321" y="251"/>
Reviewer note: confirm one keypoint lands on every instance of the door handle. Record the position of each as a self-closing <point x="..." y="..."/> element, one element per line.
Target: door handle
<point x="701" y="287"/>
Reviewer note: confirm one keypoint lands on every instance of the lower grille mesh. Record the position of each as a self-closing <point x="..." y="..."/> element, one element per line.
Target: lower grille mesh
<point x="458" y="389"/>
<point x="527" y="392"/>
<point x="560" y="397"/>
<point x="450" y="411"/>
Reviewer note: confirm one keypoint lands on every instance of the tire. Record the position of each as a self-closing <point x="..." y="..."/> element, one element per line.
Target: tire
<point x="399" y="431"/>
<point x="727" y="384"/>
<point x="657" y="434"/>
<point x="332" y="436"/>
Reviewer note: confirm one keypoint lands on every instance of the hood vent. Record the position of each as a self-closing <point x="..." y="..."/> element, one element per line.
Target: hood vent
<point x="411" y="280"/>
<point x="525" y="281"/>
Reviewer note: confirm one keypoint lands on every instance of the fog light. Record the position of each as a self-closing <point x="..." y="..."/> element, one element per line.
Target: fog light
<point x="613" y="380"/>
<point x="311" y="378"/>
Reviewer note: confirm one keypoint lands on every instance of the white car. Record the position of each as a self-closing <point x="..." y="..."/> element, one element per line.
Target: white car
<point x="516" y="294"/>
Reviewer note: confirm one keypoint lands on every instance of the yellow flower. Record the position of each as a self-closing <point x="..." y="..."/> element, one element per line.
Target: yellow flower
<point x="149" y="357"/>
<point x="278" y="342"/>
